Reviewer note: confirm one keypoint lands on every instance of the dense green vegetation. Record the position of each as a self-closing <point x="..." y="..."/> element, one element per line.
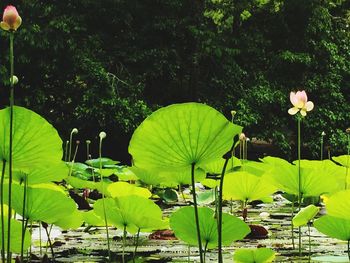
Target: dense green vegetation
<point x="107" y="65"/>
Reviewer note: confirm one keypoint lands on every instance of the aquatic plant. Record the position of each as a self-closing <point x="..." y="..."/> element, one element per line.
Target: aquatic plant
<point x="257" y="255"/>
<point x="183" y="136"/>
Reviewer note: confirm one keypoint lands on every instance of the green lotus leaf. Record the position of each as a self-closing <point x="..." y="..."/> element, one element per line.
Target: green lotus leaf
<point x="81" y="184"/>
<point x="338" y="228"/>
<point x="72" y="221"/>
<point x="119" y="189"/>
<point x="150" y="177"/>
<point x="338" y="205"/>
<point x="180" y="135"/>
<point x="305" y="215"/>
<point x="246" y="187"/>
<point x="132" y="212"/>
<point x="35" y="141"/>
<point x="211" y="183"/>
<point x="216" y="166"/>
<point x="252" y="167"/>
<point x="104" y="161"/>
<point x="258" y="255"/>
<point x="284" y="175"/>
<point x="183" y="225"/>
<point x="344" y="160"/>
<point x="169" y="195"/>
<point x="42" y="204"/>
<point x="181" y="176"/>
<point x="206" y="197"/>
<point x="91" y="218"/>
<point x="81" y="170"/>
<point x="126" y="174"/>
<point x="45" y="174"/>
<point x="15" y="236"/>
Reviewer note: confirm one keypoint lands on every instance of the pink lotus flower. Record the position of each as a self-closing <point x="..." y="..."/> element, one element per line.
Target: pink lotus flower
<point x="11" y="19"/>
<point x="300" y="103"/>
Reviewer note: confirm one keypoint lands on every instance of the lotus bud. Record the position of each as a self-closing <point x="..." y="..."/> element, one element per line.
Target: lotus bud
<point x="10" y="19"/>
<point x="74" y="131"/>
<point x="242" y="137"/>
<point x="323" y="133"/>
<point x="14" y="80"/>
<point x="102" y="135"/>
<point x="77" y="142"/>
<point x="347" y="130"/>
<point x="88" y="142"/>
<point x="233" y="113"/>
<point x="248" y="140"/>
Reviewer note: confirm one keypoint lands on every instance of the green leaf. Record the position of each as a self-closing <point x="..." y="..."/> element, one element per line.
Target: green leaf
<point x="169" y="195"/>
<point x="305" y="215"/>
<point x="131" y="211"/>
<point x="105" y="161"/>
<point x="180" y="135"/>
<point x="258" y="255"/>
<point x="81" y="184"/>
<point x="35" y="142"/>
<point x="344" y="160"/>
<point x="333" y="227"/>
<point x="15" y="236"/>
<point x="338" y="205"/>
<point x="71" y="221"/>
<point x="184" y="227"/>
<point x="216" y="166"/>
<point x="206" y="197"/>
<point x="150" y="177"/>
<point x="119" y="189"/>
<point x="246" y="187"/>
<point x="181" y="176"/>
<point x="44" y="203"/>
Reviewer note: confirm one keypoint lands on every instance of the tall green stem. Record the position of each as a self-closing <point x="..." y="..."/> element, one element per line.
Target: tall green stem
<point x="137" y="244"/>
<point x="12" y="99"/>
<point x="309" y="231"/>
<point x="293" y="244"/>
<point x="2" y="211"/>
<point x="321" y="151"/>
<point x="347" y="163"/>
<point x="24" y="220"/>
<point x="299" y="178"/>
<point x="349" y="249"/>
<point x="103" y="200"/>
<point x="124" y="244"/>
<point x="220" y="211"/>
<point x="196" y="214"/>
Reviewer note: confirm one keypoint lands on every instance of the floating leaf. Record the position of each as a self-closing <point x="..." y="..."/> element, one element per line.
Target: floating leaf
<point x="124" y="189"/>
<point x="180" y="135"/>
<point x="184" y="227"/>
<point x="333" y="227"/>
<point x="246" y="187"/>
<point x="258" y="255"/>
<point x="126" y="174"/>
<point x="338" y="205"/>
<point x="35" y="142"/>
<point x="305" y="215"/>
<point x="104" y="161"/>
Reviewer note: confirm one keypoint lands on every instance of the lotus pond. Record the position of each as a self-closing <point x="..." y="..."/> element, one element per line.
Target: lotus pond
<point x="190" y="195"/>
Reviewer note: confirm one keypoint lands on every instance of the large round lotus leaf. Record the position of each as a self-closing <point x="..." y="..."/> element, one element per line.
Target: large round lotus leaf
<point x="305" y="215"/>
<point x="43" y="204"/>
<point x="246" y="187"/>
<point x="126" y="174"/>
<point x="15" y="236"/>
<point x="333" y="227"/>
<point x="45" y="174"/>
<point x="182" y="176"/>
<point x="91" y="218"/>
<point x="216" y="166"/>
<point x="150" y="177"/>
<point x="183" y="223"/>
<point x="252" y="167"/>
<point x="284" y="175"/>
<point x="35" y="141"/>
<point x="131" y="211"/>
<point x="258" y="255"/>
<point x="80" y="183"/>
<point x="180" y="135"/>
<point x="72" y="221"/>
<point x="344" y="160"/>
<point x="338" y="204"/>
<point x="119" y="189"/>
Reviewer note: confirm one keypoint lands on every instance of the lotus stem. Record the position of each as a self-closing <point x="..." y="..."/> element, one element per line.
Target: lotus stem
<point x="347" y="161"/>
<point x="49" y="240"/>
<point x="102" y="135"/>
<point x="2" y="211"/>
<point x="74" y="156"/>
<point x="124" y="244"/>
<point x="349" y="249"/>
<point x="66" y="152"/>
<point x="321" y="148"/>
<point x="87" y="149"/>
<point x="220" y="211"/>
<point x="196" y="213"/>
<point x="292" y="215"/>
<point x="24" y="220"/>
<point x="309" y="231"/>
<point x="205" y="249"/>
<point x="12" y="99"/>
<point x="299" y="179"/>
<point x="136" y="244"/>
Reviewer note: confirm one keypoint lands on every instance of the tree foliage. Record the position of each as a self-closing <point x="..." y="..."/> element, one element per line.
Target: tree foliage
<point x="106" y="65"/>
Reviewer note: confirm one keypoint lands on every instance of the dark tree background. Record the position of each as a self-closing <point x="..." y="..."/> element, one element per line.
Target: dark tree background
<point x="106" y="65"/>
